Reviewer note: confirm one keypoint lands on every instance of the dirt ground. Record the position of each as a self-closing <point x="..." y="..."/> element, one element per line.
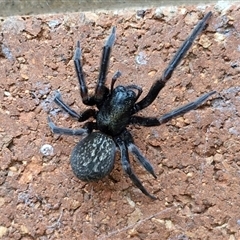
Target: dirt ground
<point x="196" y="157"/>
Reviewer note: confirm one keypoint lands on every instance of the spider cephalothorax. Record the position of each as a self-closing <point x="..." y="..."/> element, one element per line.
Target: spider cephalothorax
<point x="116" y="108"/>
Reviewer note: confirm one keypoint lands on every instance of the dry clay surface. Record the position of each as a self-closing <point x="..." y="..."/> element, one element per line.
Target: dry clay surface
<point x="196" y="157"/>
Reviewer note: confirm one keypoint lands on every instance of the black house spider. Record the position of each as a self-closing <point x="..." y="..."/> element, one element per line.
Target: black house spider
<point x="93" y="157"/>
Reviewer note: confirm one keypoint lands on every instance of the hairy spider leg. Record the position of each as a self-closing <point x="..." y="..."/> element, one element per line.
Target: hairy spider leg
<point x="128" y="139"/>
<point x="58" y="100"/>
<point x="127" y="167"/>
<point x="80" y="76"/>
<point x="153" y="121"/>
<point x="142" y="160"/>
<point x="160" y="83"/>
<point x="101" y="89"/>
<point x="80" y="117"/>
<point x="66" y="131"/>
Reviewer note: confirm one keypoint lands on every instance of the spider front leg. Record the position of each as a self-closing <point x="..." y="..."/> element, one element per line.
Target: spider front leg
<point x="148" y="121"/>
<point x="160" y="83"/>
<point x="127" y="167"/>
<point x="101" y="89"/>
<point x="82" y="84"/>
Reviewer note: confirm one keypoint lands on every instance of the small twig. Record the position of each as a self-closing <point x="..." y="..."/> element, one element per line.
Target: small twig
<point x="134" y="225"/>
<point x="57" y="224"/>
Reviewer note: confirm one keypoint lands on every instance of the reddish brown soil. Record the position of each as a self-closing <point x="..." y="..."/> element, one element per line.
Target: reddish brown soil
<point x="196" y="157"/>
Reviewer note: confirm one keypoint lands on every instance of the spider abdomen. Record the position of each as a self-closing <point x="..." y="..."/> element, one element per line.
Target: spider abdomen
<point x="93" y="157"/>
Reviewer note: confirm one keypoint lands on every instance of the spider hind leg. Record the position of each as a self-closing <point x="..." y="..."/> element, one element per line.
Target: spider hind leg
<point x="128" y="139"/>
<point x="142" y="160"/>
<point x="127" y="167"/>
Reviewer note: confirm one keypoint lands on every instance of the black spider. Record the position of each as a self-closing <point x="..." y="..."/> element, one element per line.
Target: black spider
<point x="93" y="157"/>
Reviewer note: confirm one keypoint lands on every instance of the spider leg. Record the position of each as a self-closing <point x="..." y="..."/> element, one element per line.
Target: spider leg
<point x="160" y="83"/>
<point x="101" y="89"/>
<point x="144" y="162"/>
<point x="128" y="139"/>
<point x="66" y="131"/>
<point x="127" y="167"/>
<point x="148" y="121"/>
<point x="82" y="84"/>
<point x="80" y="117"/>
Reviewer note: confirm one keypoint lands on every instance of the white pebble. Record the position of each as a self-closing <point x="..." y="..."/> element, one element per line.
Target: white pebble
<point x="46" y="150"/>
